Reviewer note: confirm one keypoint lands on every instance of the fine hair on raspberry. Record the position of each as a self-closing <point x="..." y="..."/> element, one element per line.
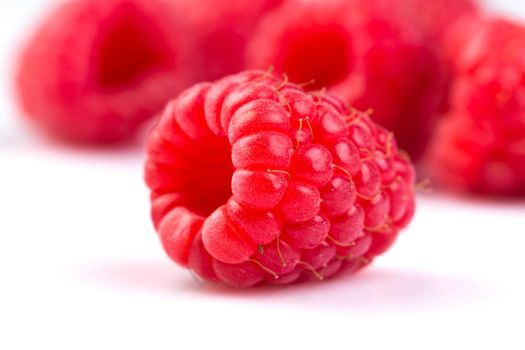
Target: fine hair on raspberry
<point x="255" y="181"/>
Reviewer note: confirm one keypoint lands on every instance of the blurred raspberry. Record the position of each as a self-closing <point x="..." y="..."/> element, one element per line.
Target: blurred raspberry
<point x="371" y="53"/>
<point x="436" y="17"/>
<point x="96" y="69"/>
<point x="219" y="31"/>
<point x="255" y="181"/>
<point x="480" y="145"/>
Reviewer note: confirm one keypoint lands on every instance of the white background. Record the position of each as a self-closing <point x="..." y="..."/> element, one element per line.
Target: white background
<point x="81" y="268"/>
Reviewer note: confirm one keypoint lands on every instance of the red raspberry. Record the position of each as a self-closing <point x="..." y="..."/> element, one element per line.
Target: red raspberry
<point x="480" y="145"/>
<point x="220" y="31"/>
<point x="96" y="69"/>
<point x="436" y="17"/>
<point x="367" y="52"/>
<point x="253" y="180"/>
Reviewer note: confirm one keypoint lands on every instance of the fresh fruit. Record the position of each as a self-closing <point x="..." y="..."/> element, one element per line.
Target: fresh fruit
<point x="480" y="144"/>
<point x="369" y="53"/>
<point x="97" y="69"/>
<point x="255" y="181"/>
<point x="220" y="31"/>
<point x="436" y="17"/>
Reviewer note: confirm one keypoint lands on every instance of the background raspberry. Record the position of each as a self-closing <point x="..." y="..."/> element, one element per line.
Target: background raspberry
<point x="219" y="32"/>
<point x="480" y="145"/>
<point x="369" y="53"/>
<point x="436" y="17"/>
<point x="253" y="180"/>
<point x="100" y="85"/>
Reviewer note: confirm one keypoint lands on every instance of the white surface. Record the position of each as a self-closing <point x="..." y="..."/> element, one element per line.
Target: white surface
<point x="80" y="266"/>
<point x="81" y="269"/>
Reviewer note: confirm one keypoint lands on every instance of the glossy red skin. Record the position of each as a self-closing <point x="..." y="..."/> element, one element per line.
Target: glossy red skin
<point x="256" y="190"/>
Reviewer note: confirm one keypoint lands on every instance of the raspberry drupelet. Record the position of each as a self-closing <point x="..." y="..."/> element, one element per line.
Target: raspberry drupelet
<point x="95" y="70"/>
<point x="255" y="181"/>
<point x="479" y="145"/>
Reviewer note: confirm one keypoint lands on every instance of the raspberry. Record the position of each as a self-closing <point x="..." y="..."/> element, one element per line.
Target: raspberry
<point x="436" y="17"/>
<point x="480" y="145"/>
<point x="101" y="85"/>
<point x="255" y="181"/>
<point x="220" y="31"/>
<point x="370" y="53"/>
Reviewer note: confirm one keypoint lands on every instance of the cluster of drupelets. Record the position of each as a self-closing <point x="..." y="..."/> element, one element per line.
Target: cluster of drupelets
<point x="317" y="187"/>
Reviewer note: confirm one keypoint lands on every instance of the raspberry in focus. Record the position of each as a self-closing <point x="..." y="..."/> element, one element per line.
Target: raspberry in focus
<point x="97" y="69"/>
<point x="254" y="181"/>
